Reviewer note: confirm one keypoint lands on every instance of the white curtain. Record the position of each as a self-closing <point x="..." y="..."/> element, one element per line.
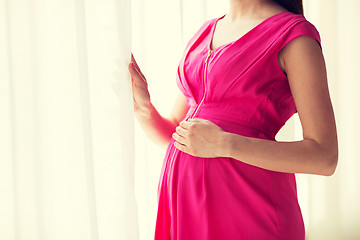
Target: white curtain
<point x="67" y="142"/>
<point x="75" y="165"/>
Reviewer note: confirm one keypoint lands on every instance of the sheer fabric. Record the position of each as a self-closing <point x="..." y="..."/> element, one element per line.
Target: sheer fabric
<point x="67" y="142"/>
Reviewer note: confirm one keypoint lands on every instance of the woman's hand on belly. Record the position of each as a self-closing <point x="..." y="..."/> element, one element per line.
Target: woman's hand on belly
<point x="200" y="138"/>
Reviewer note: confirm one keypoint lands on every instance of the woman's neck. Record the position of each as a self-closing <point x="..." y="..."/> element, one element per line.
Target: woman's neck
<point x="248" y="8"/>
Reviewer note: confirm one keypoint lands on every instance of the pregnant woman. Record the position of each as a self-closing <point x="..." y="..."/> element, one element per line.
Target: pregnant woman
<point x="241" y="77"/>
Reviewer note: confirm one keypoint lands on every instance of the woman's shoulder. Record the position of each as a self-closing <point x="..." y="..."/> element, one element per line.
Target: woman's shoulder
<point x="301" y="24"/>
<point x="295" y="25"/>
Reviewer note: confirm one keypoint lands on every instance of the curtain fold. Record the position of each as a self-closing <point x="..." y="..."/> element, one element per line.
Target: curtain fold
<point x="67" y="140"/>
<point x="80" y="19"/>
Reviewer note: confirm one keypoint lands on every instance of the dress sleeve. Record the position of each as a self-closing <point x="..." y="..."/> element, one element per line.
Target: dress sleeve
<point x="303" y="28"/>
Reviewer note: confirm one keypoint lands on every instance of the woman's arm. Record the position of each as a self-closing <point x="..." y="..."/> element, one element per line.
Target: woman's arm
<point x="156" y="127"/>
<point x="317" y="153"/>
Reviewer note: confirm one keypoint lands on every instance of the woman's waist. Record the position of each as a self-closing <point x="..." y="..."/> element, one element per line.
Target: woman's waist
<point x="230" y="119"/>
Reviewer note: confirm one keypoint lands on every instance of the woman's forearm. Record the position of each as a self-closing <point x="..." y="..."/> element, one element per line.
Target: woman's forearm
<point x="156" y="127"/>
<point x="306" y="156"/>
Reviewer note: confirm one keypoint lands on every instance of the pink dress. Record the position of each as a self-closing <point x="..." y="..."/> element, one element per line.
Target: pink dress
<point x="240" y="87"/>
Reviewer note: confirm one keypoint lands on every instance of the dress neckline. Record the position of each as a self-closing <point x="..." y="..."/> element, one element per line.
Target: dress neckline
<point x="247" y="33"/>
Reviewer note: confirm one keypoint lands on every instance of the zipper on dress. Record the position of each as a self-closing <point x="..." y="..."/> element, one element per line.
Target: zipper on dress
<point x="172" y="157"/>
<point x="205" y="71"/>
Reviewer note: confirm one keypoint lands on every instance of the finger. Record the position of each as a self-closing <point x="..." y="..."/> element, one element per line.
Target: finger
<point x="200" y="120"/>
<point x="133" y="66"/>
<point x="195" y="119"/>
<point x="133" y="60"/>
<point x="182" y="132"/>
<point x="135" y="75"/>
<point x="185" y="124"/>
<point x="137" y="66"/>
<point x="141" y="74"/>
<point x="179" y="139"/>
<point x="181" y="147"/>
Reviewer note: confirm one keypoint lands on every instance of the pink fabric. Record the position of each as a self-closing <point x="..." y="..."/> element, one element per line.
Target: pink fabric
<point x="245" y="93"/>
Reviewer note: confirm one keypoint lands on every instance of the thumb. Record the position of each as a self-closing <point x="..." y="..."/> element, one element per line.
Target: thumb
<point x="135" y="73"/>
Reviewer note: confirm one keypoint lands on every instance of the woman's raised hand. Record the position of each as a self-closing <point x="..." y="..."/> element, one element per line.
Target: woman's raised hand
<point x="157" y="127"/>
<point x="139" y="85"/>
<point x="140" y="91"/>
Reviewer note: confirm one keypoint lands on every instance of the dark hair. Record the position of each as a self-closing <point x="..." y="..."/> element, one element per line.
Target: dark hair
<point x="294" y="6"/>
